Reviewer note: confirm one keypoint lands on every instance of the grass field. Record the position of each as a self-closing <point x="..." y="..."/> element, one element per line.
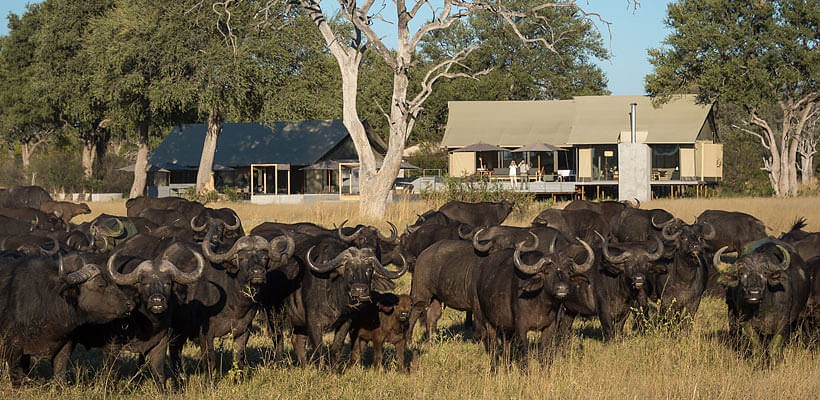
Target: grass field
<point x="699" y="365"/>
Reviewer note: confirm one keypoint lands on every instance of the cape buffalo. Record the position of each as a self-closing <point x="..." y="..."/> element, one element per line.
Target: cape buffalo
<point x="477" y="214"/>
<point x="64" y="210"/>
<point x="24" y="197"/>
<point x="767" y="289"/>
<point x="383" y="319"/>
<point x="41" y="305"/>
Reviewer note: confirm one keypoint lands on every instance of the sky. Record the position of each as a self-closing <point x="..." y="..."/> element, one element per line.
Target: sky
<point x="633" y="32"/>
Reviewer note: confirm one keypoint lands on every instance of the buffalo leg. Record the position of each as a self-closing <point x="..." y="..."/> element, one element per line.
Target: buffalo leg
<point x="300" y="347"/>
<point x="240" y="343"/>
<point x="156" y="360"/>
<point x="356" y="349"/>
<point x="275" y="332"/>
<point x="415" y="314"/>
<point x="17" y="369"/>
<point x="378" y="352"/>
<point x="434" y="312"/>
<point x="339" y="341"/>
<point x="60" y="362"/>
<point x="401" y="349"/>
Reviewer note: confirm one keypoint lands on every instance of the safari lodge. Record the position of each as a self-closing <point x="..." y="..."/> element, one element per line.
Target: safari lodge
<point x="588" y="146"/>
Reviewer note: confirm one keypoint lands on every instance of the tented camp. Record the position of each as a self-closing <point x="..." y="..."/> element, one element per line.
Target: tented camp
<point x="673" y="145"/>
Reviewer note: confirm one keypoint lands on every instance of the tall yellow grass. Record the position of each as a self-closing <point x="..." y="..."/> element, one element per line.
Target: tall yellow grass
<point x="698" y="365"/>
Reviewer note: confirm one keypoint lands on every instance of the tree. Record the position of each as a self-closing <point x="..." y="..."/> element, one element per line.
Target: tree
<point x="137" y="56"/>
<point x="529" y="23"/>
<point x="25" y="115"/>
<point x="60" y="67"/>
<point x="761" y="56"/>
<point x="519" y="71"/>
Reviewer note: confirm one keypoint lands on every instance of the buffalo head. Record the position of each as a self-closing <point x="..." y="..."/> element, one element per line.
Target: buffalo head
<point x="95" y="294"/>
<point x="554" y="270"/>
<point x="153" y="279"/>
<point x="356" y="267"/>
<point x="633" y="260"/>
<point x="760" y="268"/>
<point x="250" y="257"/>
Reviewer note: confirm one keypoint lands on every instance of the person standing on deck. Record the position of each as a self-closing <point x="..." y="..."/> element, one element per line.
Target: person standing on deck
<point x="523" y="168"/>
<point x="513" y="182"/>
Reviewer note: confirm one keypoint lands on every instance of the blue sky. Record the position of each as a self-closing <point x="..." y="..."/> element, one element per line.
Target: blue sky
<point x="632" y="34"/>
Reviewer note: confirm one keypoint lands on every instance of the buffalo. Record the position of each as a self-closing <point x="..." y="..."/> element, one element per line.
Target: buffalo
<point x="41" y="305"/>
<point x="767" y="288"/>
<point x="477" y="214"/>
<point x="385" y="318"/>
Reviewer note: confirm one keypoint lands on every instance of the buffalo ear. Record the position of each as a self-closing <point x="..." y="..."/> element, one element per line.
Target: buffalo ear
<point x="774" y="278"/>
<point x="533" y="284"/>
<point x="381" y="284"/>
<point x="728" y="280"/>
<point x="71" y="293"/>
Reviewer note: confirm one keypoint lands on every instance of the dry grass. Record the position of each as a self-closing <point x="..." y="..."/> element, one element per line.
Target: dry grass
<point x="699" y="365"/>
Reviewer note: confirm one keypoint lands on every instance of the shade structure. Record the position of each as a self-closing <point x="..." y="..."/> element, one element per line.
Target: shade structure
<point x="538" y="147"/>
<point x="479" y="147"/>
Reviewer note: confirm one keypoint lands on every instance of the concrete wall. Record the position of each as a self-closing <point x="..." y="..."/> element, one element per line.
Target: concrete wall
<point x="634" y="167"/>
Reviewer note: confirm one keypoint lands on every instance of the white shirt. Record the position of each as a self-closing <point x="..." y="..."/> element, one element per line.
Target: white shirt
<point x="512" y="170"/>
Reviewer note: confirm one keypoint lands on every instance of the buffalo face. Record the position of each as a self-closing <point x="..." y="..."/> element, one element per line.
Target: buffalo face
<point x="554" y="271"/>
<point x="357" y="268"/>
<point x="754" y="274"/>
<point x="97" y="296"/>
<point x="633" y="260"/>
<point x="154" y="279"/>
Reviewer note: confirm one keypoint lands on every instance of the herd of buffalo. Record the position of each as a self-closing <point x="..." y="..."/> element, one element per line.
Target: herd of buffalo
<point x="174" y="270"/>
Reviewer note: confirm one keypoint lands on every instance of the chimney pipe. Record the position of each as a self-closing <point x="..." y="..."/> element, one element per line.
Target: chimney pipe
<point x="632" y="123"/>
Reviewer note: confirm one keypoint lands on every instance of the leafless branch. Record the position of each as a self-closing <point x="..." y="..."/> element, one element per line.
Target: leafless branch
<point x="753" y="133"/>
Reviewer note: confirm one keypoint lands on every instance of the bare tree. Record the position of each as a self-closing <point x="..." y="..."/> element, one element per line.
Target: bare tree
<point x="527" y="20"/>
<point x="807" y="148"/>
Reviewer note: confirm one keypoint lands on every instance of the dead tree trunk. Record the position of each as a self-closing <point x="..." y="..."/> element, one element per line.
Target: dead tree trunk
<point x="141" y="165"/>
<point x="204" y="175"/>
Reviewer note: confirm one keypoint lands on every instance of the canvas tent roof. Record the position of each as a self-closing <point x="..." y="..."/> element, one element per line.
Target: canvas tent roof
<point x="240" y="144"/>
<point x="582" y="120"/>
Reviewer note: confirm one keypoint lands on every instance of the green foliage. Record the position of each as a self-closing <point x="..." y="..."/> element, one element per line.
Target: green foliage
<point x="656" y="321"/>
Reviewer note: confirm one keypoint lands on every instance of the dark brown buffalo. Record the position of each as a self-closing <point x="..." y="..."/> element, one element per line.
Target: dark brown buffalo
<point x="385" y="318"/>
<point x="732" y="229"/>
<point x="155" y="270"/>
<point x="32" y="245"/>
<point x="522" y="290"/>
<point x="64" y="210"/>
<point x="767" y="290"/>
<point x="23" y="197"/>
<point x="222" y="302"/>
<point x="621" y="283"/>
<point x="38" y="219"/>
<point x="41" y="305"/>
<point x="806" y="243"/>
<point x="579" y="223"/>
<point x="477" y="214"/>
<point x="608" y="209"/>
<point x="337" y="278"/>
<point x="136" y="205"/>
<point x="637" y="225"/>
<point x="680" y="278"/>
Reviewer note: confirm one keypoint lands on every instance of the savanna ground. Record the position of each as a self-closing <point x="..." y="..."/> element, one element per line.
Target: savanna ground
<point x="699" y="365"/>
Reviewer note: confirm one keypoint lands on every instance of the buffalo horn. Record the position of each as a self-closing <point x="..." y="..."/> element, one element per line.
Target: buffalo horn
<point x="534" y="245"/>
<point x="609" y="257"/>
<point x="217" y="257"/>
<point x="787" y="259"/>
<point x="129" y="278"/>
<point x="667" y="231"/>
<point x="278" y="242"/>
<point x="393" y="239"/>
<point x="55" y="248"/>
<point x="383" y="271"/>
<point x="658" y="250"/>
<point x="721" y="266"/>
<point x="347" y="238"/>
<point x="185" y="278"/>
<point x="3" y="242"/>
<point x="465" y="235"/>
<point x="581" y="268"/>
<point x="327" y="266"/>
<point x="236" y="222"/>
<point x="85" y="273"/>
<point x="410" y="229"/>
<point x="660" y="225"/>
<point x="477" y="244"/>
<point x="526" y="268"/>
<point x="197" y="228"/>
